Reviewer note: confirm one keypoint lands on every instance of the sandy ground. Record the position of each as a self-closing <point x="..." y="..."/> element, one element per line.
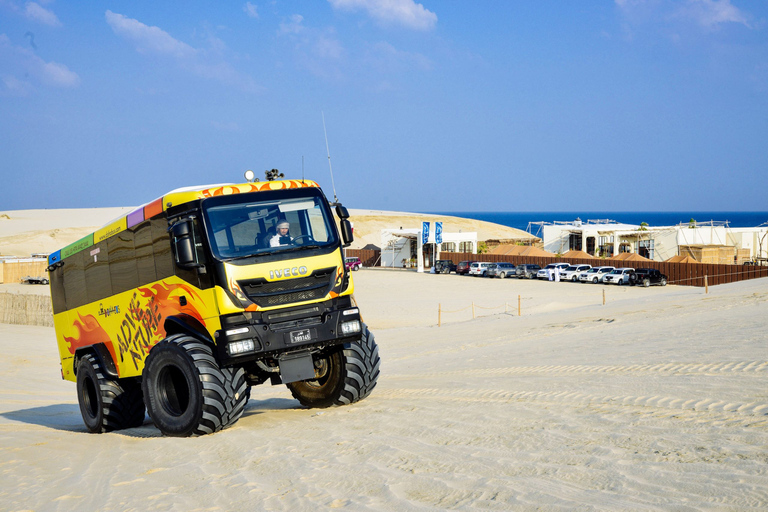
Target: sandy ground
<point x="656" y="401"/>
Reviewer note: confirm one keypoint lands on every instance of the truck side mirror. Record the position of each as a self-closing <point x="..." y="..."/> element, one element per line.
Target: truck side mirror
<point x="346" y="232"/>
<point x="184" y="245"/>
<point x="342" y="212"/>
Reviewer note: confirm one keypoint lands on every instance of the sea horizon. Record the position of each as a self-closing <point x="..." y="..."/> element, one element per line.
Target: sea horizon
<point x="521" y="220"/>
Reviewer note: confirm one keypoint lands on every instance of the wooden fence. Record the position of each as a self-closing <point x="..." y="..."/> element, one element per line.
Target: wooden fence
<point x="370" y="258"/>
<point x="685" y="274"/>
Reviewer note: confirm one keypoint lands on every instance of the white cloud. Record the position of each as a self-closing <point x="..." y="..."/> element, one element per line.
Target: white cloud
<point x="294" y="26"/>
<point x="402" y="12"/>
<point x="156" y="41"/>
<point x="18" y="61"/>
<point x="146" y="38"/>
<point x="36" y="12"/>
<point x="16" y="87"/>
<point x="710" y="13"/>
<point x="328" y="48"/>
<point x="58" y="74"/>
<point x="250" y="10"/>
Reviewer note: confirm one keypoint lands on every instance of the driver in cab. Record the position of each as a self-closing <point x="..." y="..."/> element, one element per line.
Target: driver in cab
<point x="281" y="236"/>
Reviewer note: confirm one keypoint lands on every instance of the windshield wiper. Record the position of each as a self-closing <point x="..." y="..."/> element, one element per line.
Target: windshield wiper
<point x="234" y="258"/>
<point x="299" y="248"/>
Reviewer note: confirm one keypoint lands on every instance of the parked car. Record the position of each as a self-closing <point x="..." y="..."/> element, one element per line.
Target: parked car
<point x="479" y="268"/>
<point x="353" y="263"/>
<point x="572" y="272"/>
<point x="619" y="276"/>
<point x="527" y="271"/>
<point x="501" y="270"/>
<point x="546" y="271"/>
<point x="463" y="267"/>
<point x="34" y="280"/>
<point x="648" y="276"/>
<point x="444" y="267"/>
<point x="595" y="274"/>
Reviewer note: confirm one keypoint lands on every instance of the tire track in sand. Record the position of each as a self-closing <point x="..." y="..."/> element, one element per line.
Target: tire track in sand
<point x="743" y="367"/>
<point x="717" y="411"/>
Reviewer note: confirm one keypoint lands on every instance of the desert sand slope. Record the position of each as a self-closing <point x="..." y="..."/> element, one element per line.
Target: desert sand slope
<point x="369" y="223"/>
<point x="23" y="232"/>
<point x="655" y="401"/>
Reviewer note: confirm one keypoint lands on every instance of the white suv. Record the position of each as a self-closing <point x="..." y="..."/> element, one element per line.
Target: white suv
<point x="479" y="268"/>
<point x="572" y="273"/>
<point x="618" y="276"/>
<point x="594" y="275"/>
<point x="546" y="271"/>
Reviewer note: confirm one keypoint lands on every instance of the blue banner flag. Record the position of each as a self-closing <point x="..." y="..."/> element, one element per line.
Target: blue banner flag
<point x="424" y="232"/>
<point x="438" y="232"/>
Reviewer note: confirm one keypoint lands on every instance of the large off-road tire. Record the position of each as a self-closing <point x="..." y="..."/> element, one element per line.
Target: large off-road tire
<point x="346" y="375"/>
<point x="663" y="282"/>
<point x="186" y="392"/>
<point x="107" y="404"/>
<point x="646" y="282"/>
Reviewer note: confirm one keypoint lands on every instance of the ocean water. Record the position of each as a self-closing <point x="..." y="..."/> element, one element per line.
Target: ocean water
<point x="520" y="220"/>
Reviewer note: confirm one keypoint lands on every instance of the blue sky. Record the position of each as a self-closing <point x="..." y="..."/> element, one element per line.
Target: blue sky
<point x="618" y="105"/>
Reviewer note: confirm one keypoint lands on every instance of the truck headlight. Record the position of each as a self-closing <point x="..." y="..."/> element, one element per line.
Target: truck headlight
<point x="350" y="327"/>
<point x="240" y="347"/>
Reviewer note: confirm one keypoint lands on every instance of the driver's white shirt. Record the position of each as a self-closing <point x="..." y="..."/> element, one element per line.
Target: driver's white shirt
<point x="275" y="240"/>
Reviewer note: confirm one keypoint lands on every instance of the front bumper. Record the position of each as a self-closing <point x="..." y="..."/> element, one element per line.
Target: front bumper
<point x="261" y="335"/>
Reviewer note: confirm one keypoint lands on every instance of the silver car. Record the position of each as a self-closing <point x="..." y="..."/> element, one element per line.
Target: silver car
<point x="501" y="270"/>
<point x="594" y="275"/>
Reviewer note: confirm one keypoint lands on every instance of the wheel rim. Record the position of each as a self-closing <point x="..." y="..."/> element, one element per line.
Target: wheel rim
<point x="321" y="371"/>
<point x="173" y="390"/>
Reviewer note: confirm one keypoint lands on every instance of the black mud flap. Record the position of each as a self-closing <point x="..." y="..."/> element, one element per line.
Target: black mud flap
<point x="296" y="366"/>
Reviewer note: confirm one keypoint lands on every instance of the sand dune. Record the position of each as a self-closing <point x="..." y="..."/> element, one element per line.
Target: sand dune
<point x="23" y="232"/>
<point x="655" y="401"/>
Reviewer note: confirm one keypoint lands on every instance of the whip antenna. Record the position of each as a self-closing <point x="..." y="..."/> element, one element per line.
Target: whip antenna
<point x="333" y="184"/>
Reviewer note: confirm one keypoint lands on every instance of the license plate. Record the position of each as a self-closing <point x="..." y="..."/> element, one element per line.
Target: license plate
<point x="302" y="336"/>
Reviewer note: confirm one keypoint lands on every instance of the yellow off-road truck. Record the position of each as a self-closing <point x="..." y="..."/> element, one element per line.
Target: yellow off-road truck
<point x="188" y="301"/>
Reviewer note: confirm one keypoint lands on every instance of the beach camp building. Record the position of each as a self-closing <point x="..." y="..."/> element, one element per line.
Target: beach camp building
<point x="708" y="242"/>
<point x="404" y="247"/>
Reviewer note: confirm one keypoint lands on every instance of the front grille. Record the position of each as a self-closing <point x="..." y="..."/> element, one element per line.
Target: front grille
<point x="265" y="293"/>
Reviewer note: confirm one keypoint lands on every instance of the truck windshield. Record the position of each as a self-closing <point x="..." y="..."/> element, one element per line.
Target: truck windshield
<point x="243" y="225"/>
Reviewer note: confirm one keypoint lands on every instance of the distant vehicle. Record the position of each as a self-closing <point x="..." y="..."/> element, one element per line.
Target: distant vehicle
<point x="463" y="267"/>
<point x="444" y="267"/>
<point x="648" y="276"/>
<point x="546" y="271"/>
<point x="34" y="280"/>
<point x="479" y="268"/>
<point x="619" y="276"/>
<point x="572" y="272"/>
<point x="527" y="271"/>
<point x="353" y="263"/>
<point x="501" y="270"/>
<point x="594" y="275"/>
